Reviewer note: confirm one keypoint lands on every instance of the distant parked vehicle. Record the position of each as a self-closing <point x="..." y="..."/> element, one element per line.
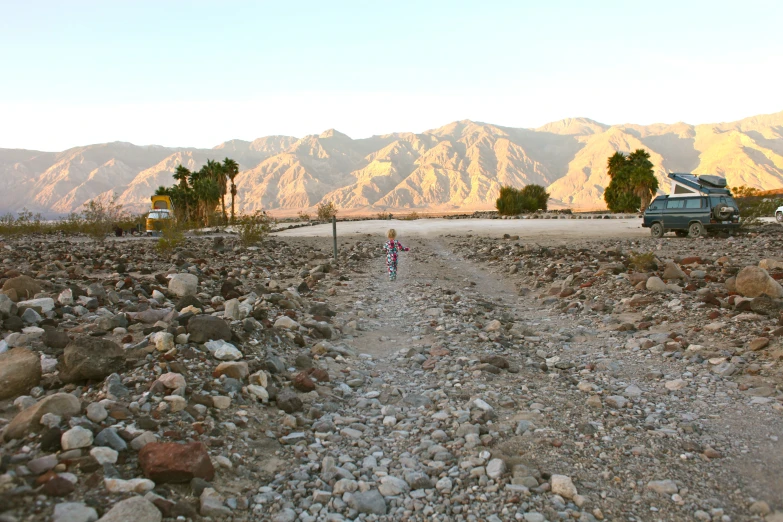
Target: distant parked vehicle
<point x="696" y="206"/>
<point x="779" y="214"/>
<point x="162" y="211"/>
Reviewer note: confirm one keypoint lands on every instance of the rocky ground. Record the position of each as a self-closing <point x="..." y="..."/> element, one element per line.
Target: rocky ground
<point x="497" y="379"/>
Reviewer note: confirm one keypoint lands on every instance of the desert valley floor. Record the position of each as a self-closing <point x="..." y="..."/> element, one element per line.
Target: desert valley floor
<point x="516" y="370"/>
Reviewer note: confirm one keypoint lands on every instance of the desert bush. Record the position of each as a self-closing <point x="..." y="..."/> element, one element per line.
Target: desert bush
<point x="326" y="211"/>
<point x="513" y="201"/>
<point x="412" y="216"/>
<point x="100" y="218"/>
<point x="383" y="215"/>
<point x="642" y="261"/>
<point x="172" y="236"/>
<point x="303" y="216"/>
<point x="253" y="228"/>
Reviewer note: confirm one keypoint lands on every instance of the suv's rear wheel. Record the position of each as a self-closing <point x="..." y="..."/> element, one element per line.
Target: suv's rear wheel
<point x="681" y="233"/>
<point x="696" y="230"/>
<point x="656" y="229"/>
<point x="779" y="216"/>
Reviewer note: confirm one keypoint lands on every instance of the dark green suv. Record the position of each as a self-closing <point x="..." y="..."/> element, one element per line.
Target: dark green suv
<point x="695" y="207"/>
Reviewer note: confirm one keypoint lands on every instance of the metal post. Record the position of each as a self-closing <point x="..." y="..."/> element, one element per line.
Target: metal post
<point x="334" y="235"/>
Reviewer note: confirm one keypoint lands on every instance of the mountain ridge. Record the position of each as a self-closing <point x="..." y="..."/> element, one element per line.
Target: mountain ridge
<point x="456" y="167"/>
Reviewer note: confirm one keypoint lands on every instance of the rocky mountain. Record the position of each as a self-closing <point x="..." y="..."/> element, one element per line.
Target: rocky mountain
<point x="460" y="166"/>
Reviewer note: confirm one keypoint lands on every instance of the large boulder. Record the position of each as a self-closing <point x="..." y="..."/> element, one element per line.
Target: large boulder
<point x="90" y="358"/>
<point x="203" y="328"/>
<point x="21" y="287"/>
<point x="61" y="404"/>
<point x="172" y="462"/>
<point x="753" y="281"/>
<point x="20" y="370"/>
<point x="183" y="284"/>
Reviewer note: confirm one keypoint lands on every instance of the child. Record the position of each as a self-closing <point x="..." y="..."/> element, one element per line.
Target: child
<point x="392" y="246"/>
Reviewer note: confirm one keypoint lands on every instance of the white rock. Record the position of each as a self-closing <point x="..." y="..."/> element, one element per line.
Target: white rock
<point x="164" y="341"/>
<point x="137" y="485"/>
<point x="496" y="468"/>
<point x="96" y="412"/>
<point x="176" y="403"/>
<point x="46" y="304"/>
<point x="104" y="455"/>
<point x="286" y="322"/>
<point x="75" y="438"/>
<point x="231" y="309"/>
<point x="676" y="384"/>
<point x="223" y="351"/>
<point x="258" y="392"/>
<point x="74" y="512"/>
<point x="172" y="380"/>
<point x="392" y="486"/>
<point x="482" y="405"/>
<point x="183" y="284"/>
<point x="66" y="297"/>
<point x="563" y="486"/>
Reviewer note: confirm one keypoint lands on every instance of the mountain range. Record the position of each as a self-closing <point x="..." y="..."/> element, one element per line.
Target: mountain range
<point x="458" y="167"/>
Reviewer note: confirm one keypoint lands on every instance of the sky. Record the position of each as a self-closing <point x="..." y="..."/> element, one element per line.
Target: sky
<point x="191" y="73"/>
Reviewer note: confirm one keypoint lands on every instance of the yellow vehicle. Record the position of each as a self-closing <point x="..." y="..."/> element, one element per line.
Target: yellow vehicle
<point x="160" y="213"/>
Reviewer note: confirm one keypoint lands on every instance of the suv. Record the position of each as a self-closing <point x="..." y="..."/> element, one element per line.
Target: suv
<point x="696" y="206"/>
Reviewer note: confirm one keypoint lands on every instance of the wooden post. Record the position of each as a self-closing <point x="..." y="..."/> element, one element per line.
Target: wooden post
<point x="334" y="235"/>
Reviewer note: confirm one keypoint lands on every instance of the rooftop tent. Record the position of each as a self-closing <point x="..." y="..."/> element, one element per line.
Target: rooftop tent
<point x="690" y="185"/>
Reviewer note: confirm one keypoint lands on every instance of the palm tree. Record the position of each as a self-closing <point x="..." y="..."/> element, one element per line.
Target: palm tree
<point x="207" y="192"/>
<point x="231" y="169"/>
<point x="615" y="164"/>
<point x="182" y="175"/>
<point x="216" y="172"/>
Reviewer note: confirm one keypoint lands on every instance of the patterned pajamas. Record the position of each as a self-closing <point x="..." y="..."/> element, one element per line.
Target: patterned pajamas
<point x="393" y="246"/>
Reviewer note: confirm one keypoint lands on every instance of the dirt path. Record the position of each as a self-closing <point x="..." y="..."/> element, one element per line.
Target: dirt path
<point x="634" y="450"/>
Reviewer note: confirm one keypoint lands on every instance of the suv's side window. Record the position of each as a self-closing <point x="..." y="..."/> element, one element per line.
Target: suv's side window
<point x="693" y="203"/>
<point x="656" y="205"/>
<point x="675" y="203"/>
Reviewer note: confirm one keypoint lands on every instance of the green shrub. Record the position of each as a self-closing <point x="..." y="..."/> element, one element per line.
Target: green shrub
<point x="172" y="236"/>
<point x="303" y="216"/>
<point x="513" y="201"/>
<point x="253" y="228"/>
<point x="383" y="215"/>
<point x="326" y="211"/>
<point x="412" y="216"/>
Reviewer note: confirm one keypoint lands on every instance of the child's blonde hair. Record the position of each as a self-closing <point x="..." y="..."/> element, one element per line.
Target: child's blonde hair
<point x="391" y="234"/>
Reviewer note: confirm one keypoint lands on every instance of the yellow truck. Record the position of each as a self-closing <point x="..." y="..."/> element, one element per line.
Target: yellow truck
<point x="161" y="212"/>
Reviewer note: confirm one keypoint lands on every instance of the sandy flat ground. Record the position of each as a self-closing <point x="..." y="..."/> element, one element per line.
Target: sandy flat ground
<point x="524" y="228"/>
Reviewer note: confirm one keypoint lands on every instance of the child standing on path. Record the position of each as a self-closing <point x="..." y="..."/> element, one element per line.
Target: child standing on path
<point x="392" y="246"/>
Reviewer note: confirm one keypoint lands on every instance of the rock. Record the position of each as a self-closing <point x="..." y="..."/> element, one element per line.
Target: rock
<point x="183" y="285"/>
<point x="303" y="383"/>
<point x="172" y="462"/>
<point x="164" y="341"/>
<point x="75" y="438"/>
<point x="753" y="281"/>
<point x="90" y="358"/>
<point x="172" y="380"/>
<point x="563" y="486"/>
<point x="23" y="287"/>
<point x="143" y="439"/>
<point x="137" y="485"/>
<point x="766" y="306"/>
<point x="212" y="504"/>
<point x="110" y="438"/>
<point x="496" y="468"/>
<point x="758" y="344"/>
<point x="656" y="284"/>
<point x="62" y="404"/>
<point x="286" y="322"/>
<point x="203" y="328"/>
<point x="663" y="487"/>
<point x="59" y="486"/>
<point x="42" y="464"/>
<point x="288" y="401"/>
<point x="223" y="351"/>
<point x="616" y="401"/>
<point x="187" y="301"/>
<point x="137" y="509"/>
<point x="55" y="338"/>
<point x="231" y="310"/>
<point x="369" y="502"/>
<point x="235" y="370"/>
<point x="221" y="402"/>
<point x="392" y="486"/>
<point x="672" y="271"/>
<point x="104" y="455"/>
<point x="676" y="384"/>
<point x="74" y="512"/>
<point x="20" y="371"/>
<point x="771" y="264"/>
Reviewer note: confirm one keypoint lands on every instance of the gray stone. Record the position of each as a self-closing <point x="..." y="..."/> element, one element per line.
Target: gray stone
<point x="110" y="438"/>
<point x="182" y="285"/>
<point x="137" y="509"/>
<point x="370" y="502"/>
<point x="74" y="512"/>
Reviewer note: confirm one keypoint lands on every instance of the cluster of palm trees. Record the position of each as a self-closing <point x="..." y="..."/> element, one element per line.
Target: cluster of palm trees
<point x="633" y="183"/>
<point x="198" y="193"/>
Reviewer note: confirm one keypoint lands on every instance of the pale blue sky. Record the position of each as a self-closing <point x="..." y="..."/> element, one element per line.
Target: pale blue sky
<point x="199" y="73"/>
